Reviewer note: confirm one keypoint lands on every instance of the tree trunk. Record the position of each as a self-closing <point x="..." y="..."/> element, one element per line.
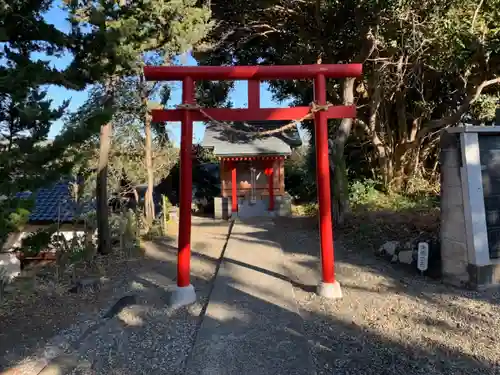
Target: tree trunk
<point x="338" y="181"/>
<point x="338" y="171"/>
<point x="104" y="239"/>
<point x="150" y="211"/>
<point x="406" y="159"/>
<point x="379" y="131"/>
<point x="103" y="230"/>
<point x="398" y="179"/>
<point x="148" y="199"/>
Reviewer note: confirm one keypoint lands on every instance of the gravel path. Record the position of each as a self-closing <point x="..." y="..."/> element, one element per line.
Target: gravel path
<point x="150" y="337"/>
<point x="390" y="321"/>
<point x="145" y="338"/>
<point x="36" y="312"/>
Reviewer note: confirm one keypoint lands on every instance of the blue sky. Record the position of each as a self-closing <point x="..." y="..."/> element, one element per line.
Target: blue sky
<point x="238" y="96"/>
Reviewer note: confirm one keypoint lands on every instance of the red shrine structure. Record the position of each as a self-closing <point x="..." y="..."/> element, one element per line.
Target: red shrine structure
<point x="252" y="168"/>
<point x="188" y="112"/>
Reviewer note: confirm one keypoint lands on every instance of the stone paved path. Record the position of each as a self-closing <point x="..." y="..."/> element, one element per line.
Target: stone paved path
<point x="252" y="325"/>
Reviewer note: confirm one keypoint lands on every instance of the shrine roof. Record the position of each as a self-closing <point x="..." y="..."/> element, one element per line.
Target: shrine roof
<point x="227" y="143"/>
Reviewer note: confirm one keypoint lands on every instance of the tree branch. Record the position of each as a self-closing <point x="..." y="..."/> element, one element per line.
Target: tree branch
<point x="455" y="117"/>
<point x="475" y="15"/>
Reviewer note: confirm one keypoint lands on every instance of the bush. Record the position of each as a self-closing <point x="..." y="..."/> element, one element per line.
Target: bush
<point x="377" y="216"/>
<point x="366" y="193"/>
<point x="310" y="209"/>
<point x="363" y="192"/>
<point x="14" y="214"/>
<point x="299" y="183"/>
<point x="38" y="241"/>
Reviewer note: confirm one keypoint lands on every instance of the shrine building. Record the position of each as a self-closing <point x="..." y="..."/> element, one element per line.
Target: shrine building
<point x="252" y="168"/>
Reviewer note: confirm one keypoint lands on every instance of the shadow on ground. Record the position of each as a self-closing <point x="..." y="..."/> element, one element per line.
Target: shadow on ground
<point x="389" y="322"/>
<point x="441" y="329"/>
<point x="151" y="277"/>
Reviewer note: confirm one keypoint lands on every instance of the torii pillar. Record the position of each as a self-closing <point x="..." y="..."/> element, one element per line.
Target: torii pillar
<point x="328" y="287"/>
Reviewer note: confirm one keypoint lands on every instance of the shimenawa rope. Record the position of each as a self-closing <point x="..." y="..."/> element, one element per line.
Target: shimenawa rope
<point x="314" y="108"/>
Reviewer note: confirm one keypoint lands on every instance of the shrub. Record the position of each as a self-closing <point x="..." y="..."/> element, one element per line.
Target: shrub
<point x="299" y="183"/>
<point x="363" y="192"/>
<point x="366" y="193"/>
<point x="38" y="241"/>
<point x="14" y="214"/>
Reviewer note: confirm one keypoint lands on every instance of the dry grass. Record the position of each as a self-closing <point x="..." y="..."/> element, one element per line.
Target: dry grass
<point x="374" y="227"/>
<point x="376" y="217"/>
<point x="29" y="324"/>
<point x="37" y="306"/>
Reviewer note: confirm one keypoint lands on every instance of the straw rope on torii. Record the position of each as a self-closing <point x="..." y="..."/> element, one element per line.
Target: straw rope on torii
<point x="228" y="127"/>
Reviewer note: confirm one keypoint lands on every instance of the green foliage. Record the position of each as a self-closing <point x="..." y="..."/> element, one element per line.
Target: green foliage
<point x="214" y="94"/>
<point x="377" y="216"/>
<point x="27" y="160"/>
<point x="70" y="253"/>
<point x="483" y="110"/>
<point x="24" y="30"/>
<point x="166" y="204"/>
<point x="366" y="194"/>
<point x="38" y="241"/>
<point x="25" y="120"/>
<point x="206" y="182"/>
<point x="14" y="214"/>
<point x="126" y="157"/>
<point x="79" y="251"/>
<point x="310" y="209"/>
<point x="26" y="113"/>
<point x="363" y="192"/>
<point x="299" y="182"/>
<point x="203" y="155"/>
<point x="424" y="65"/>
<point x="119" y="39"/>
<point x="154" y="230"/>
<point x="18" y="218"/>
<point x="118" y="33"/>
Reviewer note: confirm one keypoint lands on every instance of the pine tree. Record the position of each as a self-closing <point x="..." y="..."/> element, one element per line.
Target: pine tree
<point x="25" y="119"/>
<point x="120" y="36"/>
<point x="26" y="113"/>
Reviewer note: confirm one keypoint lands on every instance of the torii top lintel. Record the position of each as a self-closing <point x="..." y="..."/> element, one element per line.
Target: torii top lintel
<point x="255" y="72"/>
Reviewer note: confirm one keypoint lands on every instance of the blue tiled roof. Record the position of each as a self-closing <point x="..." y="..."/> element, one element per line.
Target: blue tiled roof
<point x="54" y="203"/>
<point x="24" y="195"/>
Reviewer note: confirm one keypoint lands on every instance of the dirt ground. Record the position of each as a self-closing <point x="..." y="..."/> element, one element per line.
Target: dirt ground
<point x="37" y="308"/>
<point x="33" y="314"/>
<point x="390" y="320"/>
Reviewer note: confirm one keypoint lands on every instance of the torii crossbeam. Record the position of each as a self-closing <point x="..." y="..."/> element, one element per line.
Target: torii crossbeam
<point x="328" y="287"/>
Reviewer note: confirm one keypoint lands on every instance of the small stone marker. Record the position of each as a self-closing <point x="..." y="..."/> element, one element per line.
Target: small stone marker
<point x="423" y="256"/>
<point x="405" y="257"/>
<point x="389" y="248"/>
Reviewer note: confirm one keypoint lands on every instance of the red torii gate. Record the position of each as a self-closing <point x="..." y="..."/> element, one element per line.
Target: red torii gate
<point x="187" y="113"/>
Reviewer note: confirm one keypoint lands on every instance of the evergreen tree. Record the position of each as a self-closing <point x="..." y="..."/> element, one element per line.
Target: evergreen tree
<point x="120" y="37"/>
<point x="26" y="113"/>
<point x="426" y="66"/>
<point x="25" y="119"/>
